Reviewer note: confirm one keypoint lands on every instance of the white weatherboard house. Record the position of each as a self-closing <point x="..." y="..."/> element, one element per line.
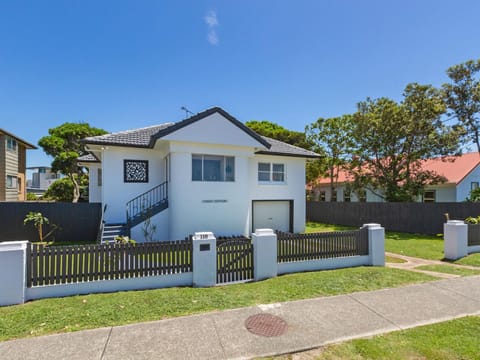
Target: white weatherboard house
<point x="206" y="173"/>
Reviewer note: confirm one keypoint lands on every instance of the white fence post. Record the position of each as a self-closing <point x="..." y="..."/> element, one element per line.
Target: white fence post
<point x="204" y="259"/>
<point x="376" y="244"/>
<point x="13" y="277"/>
<point x="264" y="254"/>
<point x="455" y="244"/>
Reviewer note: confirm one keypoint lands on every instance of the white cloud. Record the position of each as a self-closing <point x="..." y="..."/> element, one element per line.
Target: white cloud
<point x="212" y="23"/>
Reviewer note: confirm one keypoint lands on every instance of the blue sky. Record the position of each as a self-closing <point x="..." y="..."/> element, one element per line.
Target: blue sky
<point x="126" y="64"/>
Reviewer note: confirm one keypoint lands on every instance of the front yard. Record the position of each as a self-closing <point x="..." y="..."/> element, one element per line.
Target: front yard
<point x="74" y="313"/>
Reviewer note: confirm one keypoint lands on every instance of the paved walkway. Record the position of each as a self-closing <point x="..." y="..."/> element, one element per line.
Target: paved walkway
<point x="411" y="264"/>
<point x="223" y="335"/>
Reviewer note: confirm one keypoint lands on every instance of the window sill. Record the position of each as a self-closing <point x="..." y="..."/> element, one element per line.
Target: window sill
<point x="272" y="183"/>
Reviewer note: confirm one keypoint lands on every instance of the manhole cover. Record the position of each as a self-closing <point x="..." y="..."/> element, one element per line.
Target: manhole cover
<point x="266" y="325"/>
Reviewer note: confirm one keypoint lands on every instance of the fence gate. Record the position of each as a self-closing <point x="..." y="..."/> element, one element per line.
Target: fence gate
<point x="234" y="259"/>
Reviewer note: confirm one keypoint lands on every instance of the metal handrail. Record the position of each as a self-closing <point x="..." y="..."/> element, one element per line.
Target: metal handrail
<point x="148" y="200"/>
<point x="101" y="225"/>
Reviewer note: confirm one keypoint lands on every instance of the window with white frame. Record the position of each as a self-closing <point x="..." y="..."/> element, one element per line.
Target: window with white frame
<point x="271" y="172"/>
<point x="12" y="182"/>
<point x="213" y="168"/>
<point x="99" y="177"/>
<point x="11" y="144"/>
<point x="474" y="185"/>
<point x="429" y="196"/>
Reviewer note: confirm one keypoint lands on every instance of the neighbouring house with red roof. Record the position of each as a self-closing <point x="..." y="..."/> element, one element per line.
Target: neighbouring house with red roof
<point x="462" y="176"/>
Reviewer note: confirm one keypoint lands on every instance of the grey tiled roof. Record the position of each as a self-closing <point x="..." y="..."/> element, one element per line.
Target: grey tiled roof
<point x="136" y="137"/>
<point x="280" y="148"/>
<point x="87" y="158"/>
<point x="146" y="137"/>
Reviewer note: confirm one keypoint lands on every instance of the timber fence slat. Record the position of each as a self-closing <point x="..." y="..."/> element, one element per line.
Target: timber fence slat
<point x="234" y="259"/>
<point x="49" y="265"/>
<point x="315" y="246"/>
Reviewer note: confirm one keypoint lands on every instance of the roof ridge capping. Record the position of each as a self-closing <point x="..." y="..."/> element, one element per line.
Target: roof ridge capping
<point x="201" y="115"/>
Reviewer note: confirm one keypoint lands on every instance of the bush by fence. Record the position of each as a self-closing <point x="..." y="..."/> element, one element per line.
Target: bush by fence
<point x="77" y="222"/>
<point x="422" y="218"/>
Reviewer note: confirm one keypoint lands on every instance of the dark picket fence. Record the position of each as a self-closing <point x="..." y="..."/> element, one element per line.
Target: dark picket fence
<point x="473" y="234"/>
<point x="325" y="245"/>
<point x="234" y="259"/>
<point x="50" y="265"/>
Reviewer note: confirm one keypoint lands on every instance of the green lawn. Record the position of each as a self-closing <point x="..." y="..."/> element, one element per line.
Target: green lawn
<point x="450" y="340"/>
<point x="48" y="316"/>
<point x="448" y="269"/>
<point x="312" y="227"/>
<point x="472" y="260"/>
<point x="391" y="259"/>
<point x="415" y="245"/>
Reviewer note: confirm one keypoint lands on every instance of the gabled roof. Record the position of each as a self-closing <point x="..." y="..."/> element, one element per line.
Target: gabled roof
<point x="280" y="148"/>
<point x="88" y="158"/>
<point x="25" y="143"/>
<point x="132" y="138"/>
<point x="454" y="171"/>
<point x="146" y="137"/>
<point x="204" y="114"/>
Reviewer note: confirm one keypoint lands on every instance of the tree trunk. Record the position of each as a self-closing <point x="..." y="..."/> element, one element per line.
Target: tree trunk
<point x="332" y="182"/>
<point x="76" y="188"/>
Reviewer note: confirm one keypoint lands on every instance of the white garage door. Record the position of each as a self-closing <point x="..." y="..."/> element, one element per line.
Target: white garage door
<point x="271" y="215"/>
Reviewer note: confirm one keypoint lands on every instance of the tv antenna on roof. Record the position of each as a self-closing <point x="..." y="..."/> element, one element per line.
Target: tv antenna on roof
<point x="187" y="112"/>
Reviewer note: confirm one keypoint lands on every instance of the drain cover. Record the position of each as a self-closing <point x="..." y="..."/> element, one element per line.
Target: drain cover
<point x="266" y="325"/>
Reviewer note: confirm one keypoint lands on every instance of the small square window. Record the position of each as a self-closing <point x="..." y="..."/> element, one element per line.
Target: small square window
<point x="270" y="172"/>
<point x="11" y="144"/>
<point x="135" y="171"/>
<point x="12" y="182"/>
<point x="474" y="185"/>
<point x="429" y="196"/>
<point x="322" y="196"/>
<point x="347" y="195"/>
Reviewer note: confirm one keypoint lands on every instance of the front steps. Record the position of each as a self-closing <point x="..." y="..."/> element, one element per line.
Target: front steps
<point x="111" y="231"/>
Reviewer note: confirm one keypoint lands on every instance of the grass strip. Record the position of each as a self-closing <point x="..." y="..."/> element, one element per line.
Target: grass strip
<point x="58" y="315"/>
<point x="450" y="340"/>
<point x="447" y="269"/>
<point x="394" y="260"/>
<point x="471" y="260"/>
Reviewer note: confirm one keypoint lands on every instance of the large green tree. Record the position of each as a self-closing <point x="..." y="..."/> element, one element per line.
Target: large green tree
<point x="462" y="97"/>
<point x="278" y="132"/>
<point x="295" y="138"/>
<point x="333" y="138"/>
<point x="63" y="143"/>
<point x="392" y="139"/>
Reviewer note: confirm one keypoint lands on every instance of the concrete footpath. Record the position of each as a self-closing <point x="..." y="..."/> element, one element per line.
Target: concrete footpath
<point x="305" y="324"/>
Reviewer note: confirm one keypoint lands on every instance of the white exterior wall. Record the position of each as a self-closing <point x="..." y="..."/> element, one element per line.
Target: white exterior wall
<point x="220" y="207"/>
<point x="115" y="192"/>
<point x="464" y="187"/>
<point x="292" y="189"/>
<point x="214" y="129"/>
<point x="443" y="193"/>
<point x="94" y="191"/>
<point x="161" y="221"/>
